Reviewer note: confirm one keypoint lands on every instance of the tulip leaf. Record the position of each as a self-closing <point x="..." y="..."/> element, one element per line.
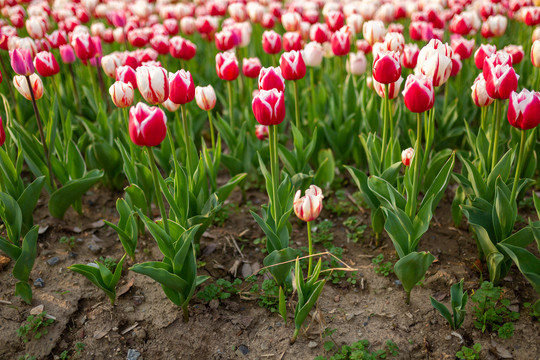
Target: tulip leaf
<point x="163" y="240"/>
<point x="72" y="191"/>
<point x="24" y="291"/>
<point x="438" y="186"/>
<point x="28" y="200"/>
<point x="11" y="215"/>
<point x="399" y="227"/>
<point x="527" y="263"/>
<point x="25" y="262"/>
<point x="161" y="273"/>
<point x="412" y="268"/>
<point x="361" y="181"/>
<point x="282" y="257"/>
<point x="386" y="193"/>
<point x="10" y="249"/>
<point x="225" y="190"/>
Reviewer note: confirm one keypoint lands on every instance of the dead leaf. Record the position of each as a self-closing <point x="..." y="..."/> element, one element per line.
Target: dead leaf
<point x="98" y="334"/>
<point x="125" y="288"/>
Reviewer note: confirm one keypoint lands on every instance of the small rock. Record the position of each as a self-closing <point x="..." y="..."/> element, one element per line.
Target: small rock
<point x="397" y="282"/>
<point x="209" y="249"/>
<point x="129" y="309"/>
<point x="139" y="333"/>
<point x="243" y="349"/>
<point x="72" y="255"/>
<point x="337" y="298"/>
<point x="349" y="316"/>
<point x="53" y="261"/>
<point x="264" y="346"/>
<point x="94" y="248"/>
<point x="133" y="354"/>
<point x="448" y="337"/>
<point x="97" y="224"/>
<point x="214" y="304"/>
<point x="514" y="308"/>
<point x="37" y="310"/>
<point x="42" y="229"/>
<point x="502" y="352"/>
<point x="39" y="283"/>
<point x="246" y="270"/>
<point x="3" y="262"/>
<point x="312" y="344"/>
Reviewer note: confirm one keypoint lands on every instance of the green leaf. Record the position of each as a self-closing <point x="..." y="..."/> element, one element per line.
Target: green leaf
<point x="25" y="262"/>
<point x="327" y="167"/>
<point x="11" y="215"/>
<point x="224" y="191"/>
<point x="10" y="249"/>
<point x="24" y="291"/>
<point x="161" y="273"/>
<point x="28" y="200"/>
<point x="386" y="193"/>
<point x="527" y="263"/>
<point x="282" y="257"/>
<point x="93" y="274"/>
<point x="412" y="268"/>
<point x="399" y="227"/>
<point x="437" y="188"/>
<point x="443" y="310"/>
<point x="72" y="191"/>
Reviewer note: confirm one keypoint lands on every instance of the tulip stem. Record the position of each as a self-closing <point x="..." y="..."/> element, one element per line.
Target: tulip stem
<point x="313" y="103"/>
<point x="385" y="131"/>
<point x="159" y="198"/>
<point x="295" y="86"/>
<point x="496" y="135"/>
<point x="7" y="74"/>
<point x="186" y="140"/>
<point x="430" y="124"/>
<point x="41" y="135"/>
<point x="274" y="168"/>
<point x="390" y="122"/>
<point x="212" y="136"/>
<point x="519" y="165"/>
<point x="416" y="174"/>
<point x="231" y="117"/>
<point x="186" y="313"/>
<point x="483" y="113"/>
<point x="310" y="244"/>
<point x="75" y="91"/>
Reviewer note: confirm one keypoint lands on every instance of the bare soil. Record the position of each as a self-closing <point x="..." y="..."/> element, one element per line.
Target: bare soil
<point x="145" y="320"/>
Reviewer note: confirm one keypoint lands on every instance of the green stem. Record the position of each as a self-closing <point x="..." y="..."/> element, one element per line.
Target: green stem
<point x="173" y="147"/>
<point x="407" y="297"/>
<point x="310" y="244"/>
<point x="296" y="105"/>
<point x="75" y="91"/>
<point x="212" y="136"/>
<point x="390" y="122"/>
<point x="384" y="134"/>
<point x="231" y="118"/>
<point x="483" y="113"/>
<point x="492" y="135"/>
<point x="186" y="140"/>
<point x="416" y="178"/>
<point x="430" y="124"/>
<point x="274" y="168"/>
<point x="295" y="335"/>
<point x="313" y="103"/>
<point x="282" y="304"/>
<point x="496" y="135"/>
<point x="185" y="313"/>
<point x="157" y="186"/>
<point x="519" y="165"/>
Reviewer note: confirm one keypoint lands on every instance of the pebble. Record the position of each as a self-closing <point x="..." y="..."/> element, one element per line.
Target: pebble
<point x="337" y="298"/>
<point x="72" y="255"/>
<point x="312" y="344"/>
<point x="349" y="316"/>
<point x="265" y="347"/>
<point x="53" y="261"/>
<point x="4" y="261"/>
<point x="96" y="249"/>
<point x="133" y="354"/>
<point x="243" y="349"/>
<point x="397" y="282"/>
<point x="129" y="309"/>
<point x="139" y="333"/>
<point x="39" y="283"/>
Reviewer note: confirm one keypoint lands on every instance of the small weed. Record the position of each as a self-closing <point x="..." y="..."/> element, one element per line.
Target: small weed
<point x="380" y="267"/>
<point x="322" y="232"/>
<point x="109" y="263"/>
<point x="340" y="204"/>
<point x="27" y="357"/>
<point x="69" y="241"/>
<point x="469" y="354"/>
<point x="221" y="289"/>
<point x="355" y="231"/>
<point x="361" y="350"/>
<point x="200" y="264"/>
<point x="35" y="325"/>
<point x="223" y="214"/>
<point x="533" y="312"/>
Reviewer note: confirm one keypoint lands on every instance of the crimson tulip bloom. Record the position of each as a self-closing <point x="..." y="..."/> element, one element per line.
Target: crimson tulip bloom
<point x="393" y="88"/>
<point x="531" y="15"/>
<point x="386" y="67"/>
<point x="269" y="107"/>
<point x="271" y="78"/>
<point x="21" y="61"/>
<point x="138" y="37"/>
<point x="46" y="64"/>
<point x="251" y="67"/>
<point x="271" y="42"/>
<point x="181" y="48"/>
<point x="292" y="65"/>
<point x="292" y="41"/>
<point x="57" y="38"/>
<point x="499" y="58"/>
<point x="153" y="83"/>
<point x="418" y="93"/>
<point x="334" y="20"/>
<point x="160" y="43"/>
<point x="226" y="40"/>
<point x="227" y="66"/>
<point x="410" y="56"/>
<point x="462" y="46"/>
<point x="67" y="54"/>
<point x="461" y="24"/>
<point x="435" y="61"/>
<point x="127" y="74"/>
<point x="516" y="53"/>
<point x="319" y="33"/>
<point x="181" y="87"/>
<point x="341" y="42"/>
<point x="147" y="125"/>
<point x="84" y="47"/>
<point x="363" y="45"/>
<point x="479" y="93"/>
<point x="501" y="81"/>
<point x="524" y="109"/>
<point x="121" y="94"/>
<point x="456" y="65"/>
<point x="485" y="50"/>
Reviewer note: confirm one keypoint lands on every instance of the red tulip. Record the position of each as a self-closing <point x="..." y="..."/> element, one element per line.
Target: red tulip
<point x="292" y="41"/>
<point x="418" y="93"/>
<point x="57" y="38"/>
<point x="126" y="74"/>
<point x="386" y="67"/>
<point x="271" y="42"/>
<point x="85" y="48"/>
<point x="251" y="67"/>
<point x="524" y="109"/>
<point x="181" y="87"/>
<point x="121" y="94"/>
<point x="334" y="20"/>
<point x="494" y="26"/>
<point x="153" y="83"/>
<point x="394" y="42"/>
<point x="46" y="64"/>
<point x="206" y="24"/>
<point x="261" y="132"/>
<point x="461" y="24"/>
<point x="406" y="156"/>
<point x="271" y="78"/>
<point x="516" y="53"/>
<point x="227" y="66"/>
<point x="226" y="40"/>
<point x="498" y="58"/>
<point x="67" y="54"/>
<point x="269" y="107"/>
<point x="2" y="133"/>
<point x="341" y="42"/>
<point x="435" y="61"/>
<point x="181" y="48"/>
<point x="462" y="46"/>
<point x="171" y="25"/>
<point x="21" y="61"/>
<point x="363" y="45"/>
<point x="485" y="50"/>
<point x="268" y="21"/>
<point x="501" y="81"/>
<point x="319" y="33"/>
<point x="292" y="65"/>
<point x="160" y="43"/>
<point x="393" y="88"/>
<point x="147" y="125"/>
<point x="479" y="93"/>
<point x="531" y="15"/>
<point x="410" y="56"/>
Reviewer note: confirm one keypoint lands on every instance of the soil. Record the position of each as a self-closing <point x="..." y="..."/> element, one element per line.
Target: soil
<point x="144" y="320"/>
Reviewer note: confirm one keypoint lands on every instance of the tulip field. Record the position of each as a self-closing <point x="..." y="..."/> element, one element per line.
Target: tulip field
<point x="266" y="179"/>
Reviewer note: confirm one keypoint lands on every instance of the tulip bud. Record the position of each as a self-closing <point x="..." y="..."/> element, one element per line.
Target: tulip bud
<point x="291" y="21"/>
<point x="45" y="64"/>
<point x="271" y="78"/>
<point x="2" y="133"/>
<point x="67" y="54"/>
<point x="205" y="97"/>
<point x="21" y="61"/>
<point x="153" y="84"/>
<point x="341" y="42"/>
<point x="169" y="105"/>
<point x="394" y="42"/>
<point x="84" y="47"/>
<point x="160" y="43"/>
<point x="251" y="67"/>
<point x="479" y="93"/>
<point x="20" y="83"/>
<point x="309" y="206"/>
<point x="373" y="31"/>
<point x="226" y="40"/>
<point x="313" y="54"/>
<point x="356" y="63"/>
<point x="418" y="93"/>
<point x="181" y="87"/>
<point x="524" y="109"/>
<point x="363" y="45"/>
<point x="410" y="56"/>
<point x="516" y="53"/>
<point x="227" y="66"/>
<point x="393" y="88"/>
<point x="494" y="26"/>
<point x="271" y="42"/>
<point x="501" y="81"/>
<point x="436" y="66"/>
<point x="292" y="65"/>
<point x="147" y="125"/>
<point x="269" y="107"/>
<point x="485" y="50"/>
<point x="261" y="132"/>
<point x="181" y="48"/>
<point x="121" y="94"/>
<point x="535" y="54"/>
<point x="406" y="156"/>
<point x="292" y="41"/>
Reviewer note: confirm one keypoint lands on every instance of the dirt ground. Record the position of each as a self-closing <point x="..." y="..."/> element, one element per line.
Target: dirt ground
<point x="145" y="321"/>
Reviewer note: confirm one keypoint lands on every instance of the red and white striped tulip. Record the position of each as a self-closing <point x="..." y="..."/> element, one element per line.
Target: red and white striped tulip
<point x="147" y="125"/>
<point x="516" y="53"/>
<point x="309" y="206"/>
<point x="153" y="84"/>
<point x="386" y="67"/>
<point x="407" y="156"/>
<point x="271" y="42"/>
<point x="20" y="83"/>
<point x="410" y="56"/>
<point x="485" y="50"/>
<point x="479" y="93"/>
<point x="292" y="65"/>
<point x="251" y="67"/>
<point x="373" y="31"/>
<point x="121" y="94"/>
<point x="462" y="46"/>
<point x="21" y="61"/>
<point x="46" y="64"/>
<point x="535" y="53"/>
<point x="501" y="81"/>
<point x="271" y="78"/>
<point x="524" y="109"/>
<point x="261" y="131"/>
<point x="393" y="88"/>
<point x="292" y="41"/>
<point x="181" y="48"/>
<point x="418" y="94"/>
<point x="205" y="96"/>
<point x="227" y="66"/>
<point x="181" y="87"/>
<point x="269" y="107"/>
<point x="341" y="41"/>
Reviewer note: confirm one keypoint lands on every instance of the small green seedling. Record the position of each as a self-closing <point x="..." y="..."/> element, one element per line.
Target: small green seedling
<point x="458" y="301"/>
<point x="468" y="353"/>
<point x="380" y="267"/>
<point x="34" y="325"/>
<point x="69" y="241"/>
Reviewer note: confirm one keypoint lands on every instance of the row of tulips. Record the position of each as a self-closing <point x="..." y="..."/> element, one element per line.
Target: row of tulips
<point x="357" y="48"/>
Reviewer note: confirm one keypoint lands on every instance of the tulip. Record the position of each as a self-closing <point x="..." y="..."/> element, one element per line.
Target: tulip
<point x="291" y="21"/>
<point x="356" y="22"/>
<point x="292" y="65"/>
<point x="498" y="58"/>
<point x="462" y="46"/>
<point x="21" y="61"/>
<point x="138" y="37"/>
<point x="363" y="45"/>
<point x="313" y="54"/>
<point x="501" y="80"/>
<point x="109" y="64"/>
<point x="251" y="67"/>
<point x="436" y="66"/>
<point x="524" y="109"/>
<point x="373" y="31"/>
<point x="2" y="134"/>
<point x="84" y="47"/>
<point x="160" y="43"/>
<point x="147" y="125"/>
<point x="153" y="84"/>
<point x="121" y="94"/>
<point x="188" y="25"/>
<point x="269" y="107"/>
<point x="271" y="42"/>
<point x="36" y="27"/>
<point x="341" y="42"/>
<point x="181" y="48"/>
<point x="535" y="53"/>
<point x="394" y="42"/>
<point x="479" y="93"/>
<point x="516" y="53"/>
<point x="393" y="88"/>
<point x="386" y="67"/>
<point x="22" y="86"/>
<point x="292" y="41"/>
<point x="461" y="24"/>
<point x="46" y="64"/>
<point x="531" y="15"/>
<point x="319" y="33"/>
<point x="271" y="78"/>
<point x="494" y="26"/>
<point x="406" y="156"/>
<point x="356" y="63"/>
<point x="205" y="97"/>
<point x="67" y="54"/>
<point x="227" y="66"/>
<point x="456" y="66"/>
<point x="261" y="132"/>
<point x="334" y="20"/>
<point x="181" y="87"/>
<point x="410" y="56"/>
<point x="485" y="50"/>
<point x="418" y="93"/>
<point x="226" y="40"/>
<point x="535" y="35"/>
<point x="127" y="74"/>
<point x="57" y="38"/>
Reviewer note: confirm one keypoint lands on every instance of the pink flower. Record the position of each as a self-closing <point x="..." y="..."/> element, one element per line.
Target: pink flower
<point x="271" y="42"/>
<point x="21" y="61"/>
<point x="261" y="132"/>
<point x="479" y="93"/>
<point x="309" y="206"/>
<point x="292" y="65"/>
<point x="386" y="67"/>
<point x="46" y="64"/>
<point x="393" y="88"/>
<point x="269" y="107"/>
<point x="271" y="78"/>
<point x="147" y="125"/>
<point x="418" y="93"/>
<point x="153" y="84"/>
<point x="181" y="87"/>
<point x="251" y="67"/>
<point x="501" y="81"/>
<point x="524" y="109"/>
<point x="121" y="94"/>
<point x="227" y="66"/>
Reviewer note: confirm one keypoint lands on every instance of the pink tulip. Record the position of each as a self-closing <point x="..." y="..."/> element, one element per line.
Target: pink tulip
<point x="153" y="84"/>
<point x="341" y="42"/>
<point x="418" y="93"/>
<point x="292" y="41"/>
<point x="271" y="42"/>
<point x="269" y="107"/>
<point x="21" y="61"/>
<point x="485" y="50"/>
<point x="121" y="94"/>
<point x="516" y="53"/>
<point x="501" y="81"/>
<point x="147" y="125"/>
<point x="271" y="78"/>
<point x="410" y="56"/>
<point x="292" y="65"/>
<point x="524" y="109"/>
<point x="227" y="66"/>
<point x="386" y="67"/>
<point x="251" y="67"/>
<point x="181" y="48"/>
<point x="181" y="87"/>
<point x="462" y="46"/>
<point x="393" y="88"/>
